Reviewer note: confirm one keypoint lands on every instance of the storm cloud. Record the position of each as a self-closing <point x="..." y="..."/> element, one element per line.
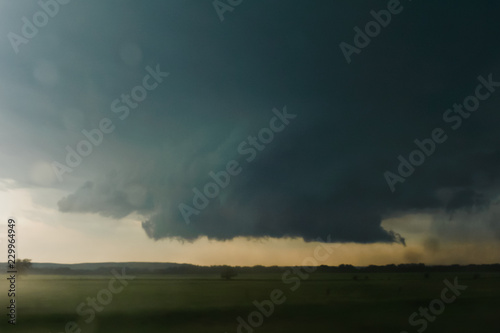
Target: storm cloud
<point x="324" y="173"/>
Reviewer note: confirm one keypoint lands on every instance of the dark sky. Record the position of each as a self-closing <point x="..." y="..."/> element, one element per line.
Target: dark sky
<point x="323" y="174"/>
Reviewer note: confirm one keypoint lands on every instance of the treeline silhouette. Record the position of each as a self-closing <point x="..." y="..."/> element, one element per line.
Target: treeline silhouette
<point x="194" y="269"/>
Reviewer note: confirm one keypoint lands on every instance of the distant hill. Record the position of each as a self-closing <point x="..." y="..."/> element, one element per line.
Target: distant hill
<point x="94" y="266"/>
<point x="105" y="268"/>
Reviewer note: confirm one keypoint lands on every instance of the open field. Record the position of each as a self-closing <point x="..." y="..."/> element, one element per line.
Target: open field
<point x="205" y="303"/>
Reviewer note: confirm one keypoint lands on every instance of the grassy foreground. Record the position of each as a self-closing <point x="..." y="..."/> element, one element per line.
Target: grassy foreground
<point x="203" y="303"/>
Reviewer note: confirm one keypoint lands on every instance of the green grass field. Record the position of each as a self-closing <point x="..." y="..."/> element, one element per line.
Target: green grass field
<point x="202" y="303"/>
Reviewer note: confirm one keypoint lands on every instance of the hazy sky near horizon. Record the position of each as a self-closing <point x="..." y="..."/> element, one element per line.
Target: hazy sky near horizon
<point x="268" y="94"/>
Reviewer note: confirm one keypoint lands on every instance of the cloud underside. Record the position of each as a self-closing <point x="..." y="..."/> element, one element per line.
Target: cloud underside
<point x="324" y="173"/>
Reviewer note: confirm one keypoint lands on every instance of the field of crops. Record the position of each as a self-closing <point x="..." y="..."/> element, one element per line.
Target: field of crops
<point x="203" y="303"/>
